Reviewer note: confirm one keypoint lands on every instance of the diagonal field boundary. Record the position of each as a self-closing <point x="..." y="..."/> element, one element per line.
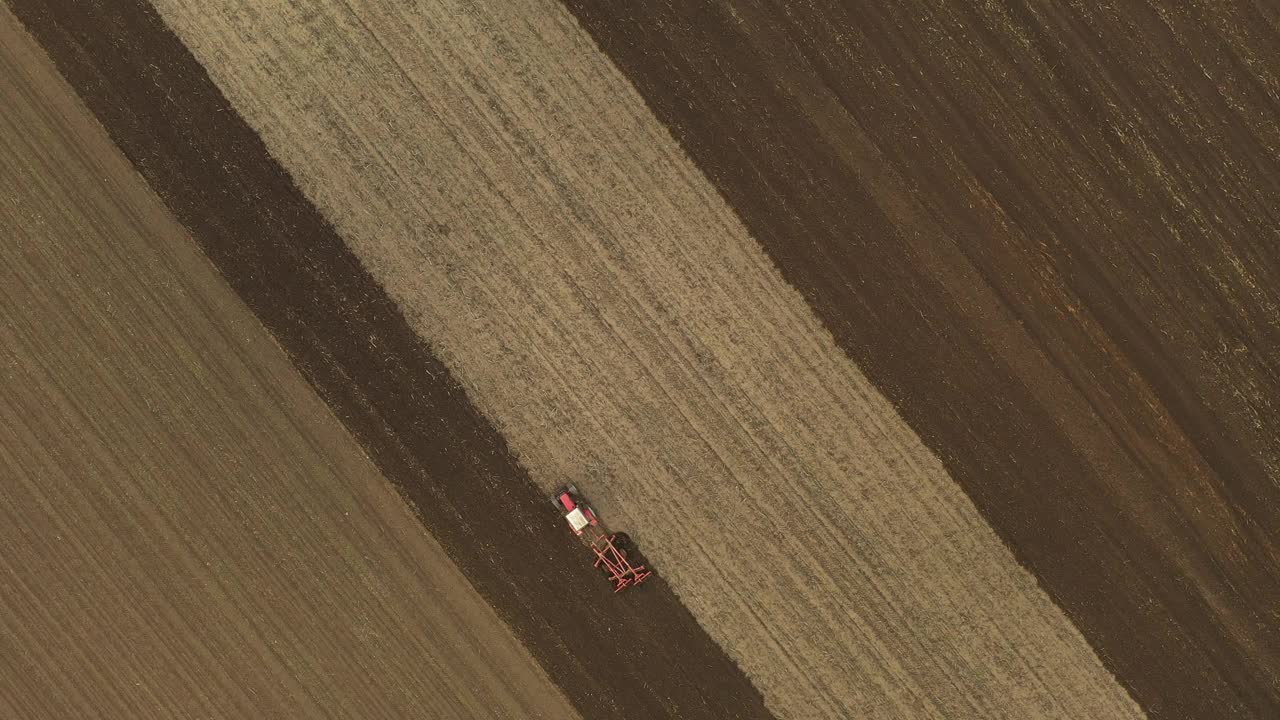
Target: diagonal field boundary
<point x="639" y="655"/>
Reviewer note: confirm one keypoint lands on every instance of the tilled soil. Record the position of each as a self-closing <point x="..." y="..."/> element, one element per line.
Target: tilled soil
<point x="630" y="656"/>
<point x="187" y="530"/>
<point x="1048" y="232"/>
<point x="604" y="308"/>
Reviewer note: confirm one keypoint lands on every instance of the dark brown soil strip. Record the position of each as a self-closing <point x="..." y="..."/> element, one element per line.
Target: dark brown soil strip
<point x="637" y="655"/>
<point x="875" y="149"/>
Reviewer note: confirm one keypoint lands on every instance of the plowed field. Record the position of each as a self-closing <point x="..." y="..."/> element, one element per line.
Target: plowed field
<point x="607" y="311"/>
<point x="929" y="351"/>
<point x="187" y="530"/>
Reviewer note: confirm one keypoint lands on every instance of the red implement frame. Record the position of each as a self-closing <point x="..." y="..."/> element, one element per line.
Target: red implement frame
<point x="614" y="563"/>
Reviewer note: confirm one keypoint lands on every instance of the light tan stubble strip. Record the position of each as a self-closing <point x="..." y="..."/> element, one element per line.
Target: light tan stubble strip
<point x="607" y="311"/>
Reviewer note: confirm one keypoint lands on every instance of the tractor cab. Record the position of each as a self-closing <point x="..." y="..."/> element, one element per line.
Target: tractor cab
<point x="577" y="513"/>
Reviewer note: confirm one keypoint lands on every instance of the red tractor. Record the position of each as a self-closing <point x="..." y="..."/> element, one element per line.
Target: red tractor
<point x="610" y="548"/>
